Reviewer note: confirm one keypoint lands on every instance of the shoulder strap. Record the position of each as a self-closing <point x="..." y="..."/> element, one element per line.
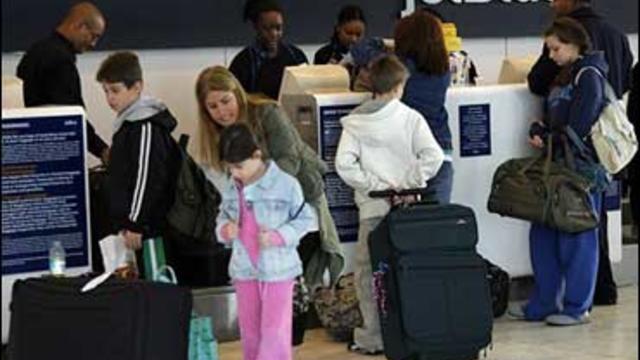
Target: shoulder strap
<point x="609" y="94"/>
<point x="577" y="141"/>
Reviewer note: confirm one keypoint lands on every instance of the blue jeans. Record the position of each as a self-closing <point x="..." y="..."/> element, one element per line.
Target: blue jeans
<point x="559" y="257"/>
<point x="442" y="183"/>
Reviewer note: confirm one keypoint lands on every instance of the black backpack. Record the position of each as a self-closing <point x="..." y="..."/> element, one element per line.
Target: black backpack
<point x="196" y="200"/>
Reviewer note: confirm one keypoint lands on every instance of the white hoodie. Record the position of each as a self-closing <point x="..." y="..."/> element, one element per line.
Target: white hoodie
<point x="382" y="146"/>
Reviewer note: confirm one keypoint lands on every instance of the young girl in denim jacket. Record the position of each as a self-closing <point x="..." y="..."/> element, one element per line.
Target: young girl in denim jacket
<point x="262" y="216"/>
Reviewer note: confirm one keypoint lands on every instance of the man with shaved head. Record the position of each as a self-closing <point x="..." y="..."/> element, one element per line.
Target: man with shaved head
<point x="48" y="69"/>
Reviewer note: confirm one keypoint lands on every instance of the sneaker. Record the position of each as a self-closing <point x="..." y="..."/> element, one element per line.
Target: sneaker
<point x="567" y="320"/>
<point x="516" y="312"/>
<point x="353" y="347"/>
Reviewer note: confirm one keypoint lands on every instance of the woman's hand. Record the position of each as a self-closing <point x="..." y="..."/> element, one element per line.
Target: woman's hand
<point x="536" y="141"/>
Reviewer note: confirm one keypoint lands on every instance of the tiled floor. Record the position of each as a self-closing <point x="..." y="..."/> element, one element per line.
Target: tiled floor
<point x="612" y="334"/>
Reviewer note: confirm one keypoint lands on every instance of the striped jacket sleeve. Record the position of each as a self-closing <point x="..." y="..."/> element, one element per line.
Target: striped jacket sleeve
<point x="143" y="177"/>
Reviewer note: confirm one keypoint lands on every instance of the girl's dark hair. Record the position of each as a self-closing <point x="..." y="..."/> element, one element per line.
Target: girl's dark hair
<point x="350" y="13"/>
<point x="253" y="9"/>
<point x="569" y="31"/>
<point x="122" y="66"/>
<point x="419" y="37"/>
<point x="237" y="143"/>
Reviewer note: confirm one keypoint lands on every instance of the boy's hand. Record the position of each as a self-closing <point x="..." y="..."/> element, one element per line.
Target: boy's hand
<point x="403" y="200"/>
<point x="229" y="231"/>
<point x="132" y="240"/>
<point x="105" y="156"/>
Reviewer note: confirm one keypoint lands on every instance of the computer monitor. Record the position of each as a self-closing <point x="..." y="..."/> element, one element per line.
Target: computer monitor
<point x="310" y="79"/>
<point x="515" y="70"/>
<point x="11" y="92"/>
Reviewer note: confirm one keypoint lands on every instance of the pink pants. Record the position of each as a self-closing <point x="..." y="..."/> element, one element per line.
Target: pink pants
<point x="265" y="312"/>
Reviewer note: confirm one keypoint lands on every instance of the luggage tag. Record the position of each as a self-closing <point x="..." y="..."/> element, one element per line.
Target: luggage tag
<point x="113" y="256"/>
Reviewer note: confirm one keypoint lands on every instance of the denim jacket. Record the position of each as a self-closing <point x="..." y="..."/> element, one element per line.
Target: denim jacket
<point x="278" y="204"/>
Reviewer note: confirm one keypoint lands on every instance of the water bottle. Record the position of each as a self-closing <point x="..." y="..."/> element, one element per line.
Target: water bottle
<point x="57" y="259"/>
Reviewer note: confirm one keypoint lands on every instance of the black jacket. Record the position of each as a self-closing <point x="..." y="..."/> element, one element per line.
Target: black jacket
<point x="142" y="173"/>
<point x="331" y="51"/>
<point x="260" y="74"/>
<point x="604" y="37"/>
<point x="50" y="77"/>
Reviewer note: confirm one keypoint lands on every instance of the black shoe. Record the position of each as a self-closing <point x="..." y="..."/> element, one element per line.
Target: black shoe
<point x="353" y="347"/>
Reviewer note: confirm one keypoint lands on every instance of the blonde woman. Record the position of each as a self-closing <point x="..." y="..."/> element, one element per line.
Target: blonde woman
<point x="222" y="101"/>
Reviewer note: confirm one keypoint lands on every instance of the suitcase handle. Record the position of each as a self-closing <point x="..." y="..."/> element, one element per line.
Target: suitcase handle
<point x="425" y="195"/>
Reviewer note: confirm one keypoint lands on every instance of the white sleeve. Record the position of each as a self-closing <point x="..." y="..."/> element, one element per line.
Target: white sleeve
<point x="428" y="155"/>
<point x="350" y="169"/>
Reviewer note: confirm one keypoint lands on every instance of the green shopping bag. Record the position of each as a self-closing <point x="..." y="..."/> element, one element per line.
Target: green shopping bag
<point x="154" y="260"/>
<point x="202" y="342"/>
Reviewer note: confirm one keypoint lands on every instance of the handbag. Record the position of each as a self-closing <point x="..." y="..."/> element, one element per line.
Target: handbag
<point x="202" y="342"/>
<point x="612" y="134"/>
<point x="540" y="190"/>
<point x="338" y="308"/>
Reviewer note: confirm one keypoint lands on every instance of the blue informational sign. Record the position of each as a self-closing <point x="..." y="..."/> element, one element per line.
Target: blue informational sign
<point x="339" y="195"/>
<point x="44" y="193"/>
<point x="612" y="196"/>
<point x="475" y="130"/>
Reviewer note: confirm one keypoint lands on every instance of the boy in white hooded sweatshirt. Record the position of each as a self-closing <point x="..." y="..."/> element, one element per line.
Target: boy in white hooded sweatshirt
<point x="384" y="145"/>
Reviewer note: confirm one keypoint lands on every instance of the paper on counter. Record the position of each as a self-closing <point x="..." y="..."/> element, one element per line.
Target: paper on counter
<point x="113" y="253"/>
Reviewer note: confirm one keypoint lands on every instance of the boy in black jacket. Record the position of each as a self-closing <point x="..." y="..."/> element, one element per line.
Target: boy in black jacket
<point x="144" y="157"/>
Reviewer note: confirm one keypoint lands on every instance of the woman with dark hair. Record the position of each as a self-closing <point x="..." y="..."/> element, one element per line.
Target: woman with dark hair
<point x="457" y="58"/>
<point x="349" y="29"/>
<point x="259" y="66"/>
<point x="419" y="42"/>
<point x="572" y="107"/>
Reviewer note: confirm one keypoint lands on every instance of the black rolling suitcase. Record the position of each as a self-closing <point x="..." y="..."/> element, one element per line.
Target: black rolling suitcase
<point x="430" y="284"/>
<point x="119" y="320"/>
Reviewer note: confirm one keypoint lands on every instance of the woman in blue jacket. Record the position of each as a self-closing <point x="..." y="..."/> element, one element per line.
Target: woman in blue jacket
<point x="573" y="105"/>
<point x="419" y="42"/>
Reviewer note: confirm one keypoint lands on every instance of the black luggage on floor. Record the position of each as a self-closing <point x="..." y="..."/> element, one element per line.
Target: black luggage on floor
<point x="430" y="284"/>
<point x="119" y="320"/>
<point x="197" y="264"/>
<point x="499" y="288"/>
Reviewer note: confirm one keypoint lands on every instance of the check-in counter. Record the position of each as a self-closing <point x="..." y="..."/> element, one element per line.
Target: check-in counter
<point x="489" y="125"/>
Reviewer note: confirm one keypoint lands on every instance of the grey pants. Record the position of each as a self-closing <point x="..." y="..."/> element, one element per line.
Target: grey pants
<point x="368" y="336"/>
